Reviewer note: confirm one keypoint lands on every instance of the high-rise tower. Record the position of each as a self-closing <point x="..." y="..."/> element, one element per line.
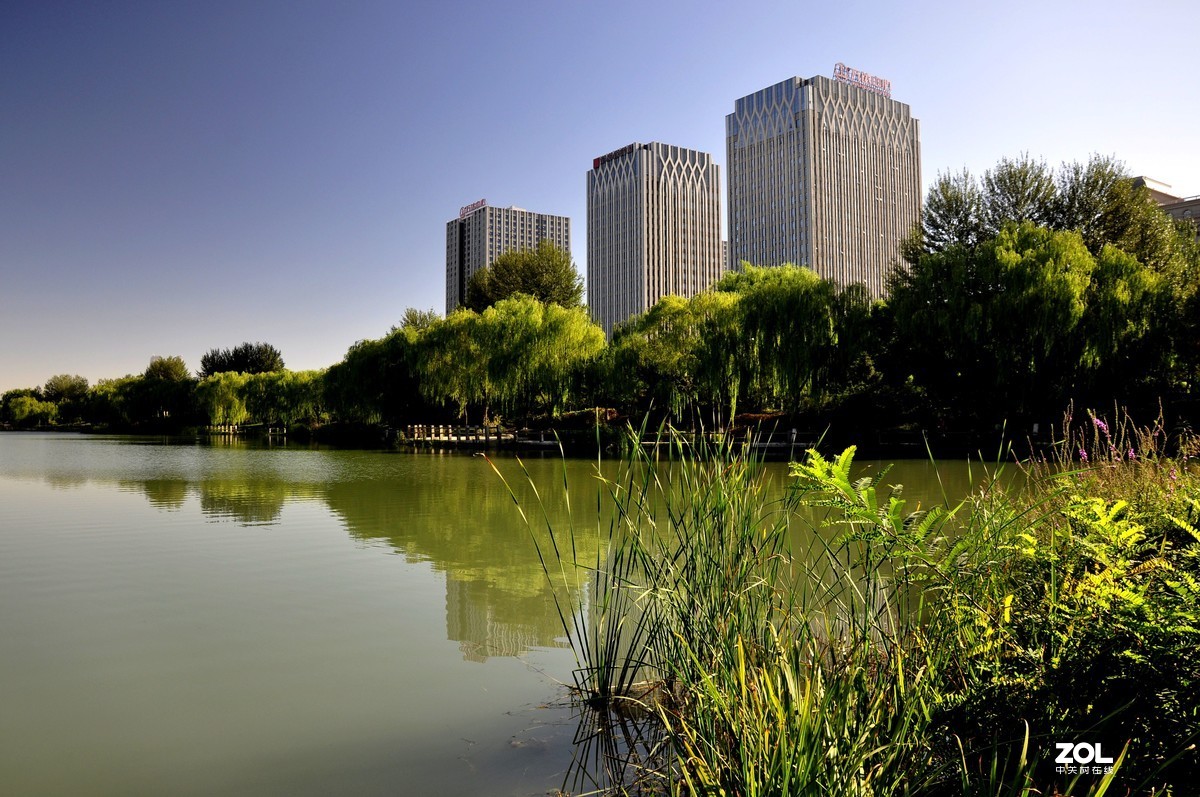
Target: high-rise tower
<point x="654" y="228"/>
<point x="824" y="173"/>
<point x="481" y="233"/>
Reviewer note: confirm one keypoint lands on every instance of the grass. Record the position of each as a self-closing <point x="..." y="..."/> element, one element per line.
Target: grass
<point x="907" y="653"/>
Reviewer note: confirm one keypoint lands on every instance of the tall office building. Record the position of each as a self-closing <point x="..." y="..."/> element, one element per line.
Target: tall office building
<point x="654" y="228"/>
<point x="481" y="233"/>
<point x="824" y="173"/>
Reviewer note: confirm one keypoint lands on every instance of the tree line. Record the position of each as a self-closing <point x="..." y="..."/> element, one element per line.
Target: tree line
<point x="1020" y="291"/>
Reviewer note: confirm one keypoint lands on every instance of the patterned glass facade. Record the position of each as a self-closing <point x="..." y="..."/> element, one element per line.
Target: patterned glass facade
<point x="823" y="174"/>
<point x="654" y="229"/>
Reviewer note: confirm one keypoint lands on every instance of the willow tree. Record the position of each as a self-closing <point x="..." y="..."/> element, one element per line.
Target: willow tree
<point x="451" y="363"/>
<point x="652" y="359"/>
<point x="1132" y="312"/>
<point x="789" y="331"/>
<point x="220" y="397"/>
<point x="535" y="351"/>
<point x="354" y="387"/>
<point x="717" y="369"/>
<point x="518" y="356"/>
<point x="111" y="402"/>
<point x="377" y="380"/>
<point x="28" y="411"/>
<point x="684" y="355"/>
<point x="285" y="397"/>
<point x="1022" y="323"/>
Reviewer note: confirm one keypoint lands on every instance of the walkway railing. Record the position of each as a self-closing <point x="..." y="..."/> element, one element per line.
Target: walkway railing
<point x="473" y="436"/>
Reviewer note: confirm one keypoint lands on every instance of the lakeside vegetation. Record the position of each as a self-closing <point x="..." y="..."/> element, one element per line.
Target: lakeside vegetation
<point x="913" y="650"/>
<point x="1019" y="293"/>
<point x="916" y="650"/>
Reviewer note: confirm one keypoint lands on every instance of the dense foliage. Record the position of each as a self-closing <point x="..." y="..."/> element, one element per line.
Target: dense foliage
<point x="764" y="337"/>
<point x="1020" y="292"/>
<point x="545" y="273"/>
<point x="247" y="358"/>
<point x="908" y="651"/>
<point x="1026" y="320"/>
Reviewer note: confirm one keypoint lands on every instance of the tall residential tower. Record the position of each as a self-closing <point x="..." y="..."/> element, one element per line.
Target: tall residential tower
<point x="824" y="173"/>
<point x="481" y="233"/>
<point x="654" y="228"/>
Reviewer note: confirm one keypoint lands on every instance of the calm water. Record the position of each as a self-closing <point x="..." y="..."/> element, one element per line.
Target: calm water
<point x="182" y="619"/>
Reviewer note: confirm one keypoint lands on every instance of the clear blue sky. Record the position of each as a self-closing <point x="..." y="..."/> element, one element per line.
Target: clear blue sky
<point x="179" y="176"/>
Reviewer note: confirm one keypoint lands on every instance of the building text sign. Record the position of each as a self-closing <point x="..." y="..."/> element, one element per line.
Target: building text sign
<point x="471" y="208"/>
<point x="616" y="153"/>
<point x="863" y="80"/>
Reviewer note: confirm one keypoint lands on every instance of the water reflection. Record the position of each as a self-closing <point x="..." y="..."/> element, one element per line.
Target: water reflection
<point x="169" y="494"/>
<point x="450" y="511"/>
<point x="216" y="615"/>
<point x="65" y="481"/>
<point x="455" y="513"/>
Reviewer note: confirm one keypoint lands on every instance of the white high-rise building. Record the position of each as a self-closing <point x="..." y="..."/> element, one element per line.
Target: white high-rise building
<point x="481" y="233"/>
<point x="654" y="228"/>
<point x="824" y="173"/>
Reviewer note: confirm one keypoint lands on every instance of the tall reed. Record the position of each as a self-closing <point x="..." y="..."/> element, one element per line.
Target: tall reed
<point x="881" y="660"/>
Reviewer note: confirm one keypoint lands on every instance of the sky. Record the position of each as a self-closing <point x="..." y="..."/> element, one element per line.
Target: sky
<point x="182" y="176"/>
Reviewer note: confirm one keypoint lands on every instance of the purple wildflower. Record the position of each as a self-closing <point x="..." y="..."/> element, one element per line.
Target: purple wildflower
<point x="1101" y="425"/>
<point x="1082" y="455"/>
<point x="1131" y="454"/>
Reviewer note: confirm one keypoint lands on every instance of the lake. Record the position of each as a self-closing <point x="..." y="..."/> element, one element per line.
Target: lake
<point x="182" y="618"/>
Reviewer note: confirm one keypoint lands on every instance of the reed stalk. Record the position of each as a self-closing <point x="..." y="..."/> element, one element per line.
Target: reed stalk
<point x="901" y="653"/>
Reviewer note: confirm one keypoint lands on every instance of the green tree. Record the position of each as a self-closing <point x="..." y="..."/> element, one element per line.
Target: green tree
<point x="28" y="411"/>
<point x="163" y="394"/>
<point x="1017" y="189"/>
<point x="167" y="369"/>
<point x="221" y="398"/>
<point x="6" y="401"/>
<point x="1098" y="199"/>
<point x="521" y="356"/>
<point x="789" y="329"/>
<point x="69" y="393"/>
<point x="65" y="387"/>
<point x="1019" y="325"/>
<point x="247" y="358"/>
<point x="953" y="215"/>
<point x="1089" y="198"/>
<point x="546" y="273"/>
<point x="377" y="379"/>
<point x="110" y="402"/>
<point x="418" y="320"/>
